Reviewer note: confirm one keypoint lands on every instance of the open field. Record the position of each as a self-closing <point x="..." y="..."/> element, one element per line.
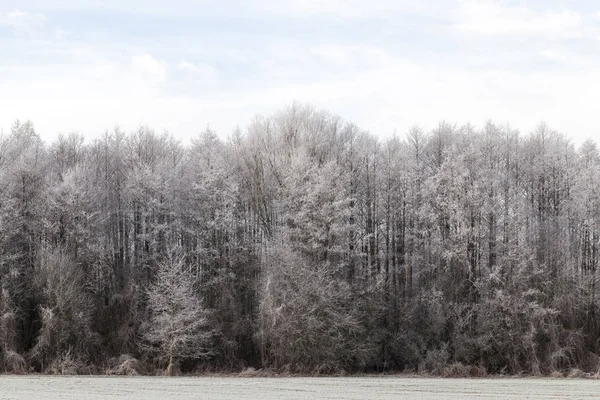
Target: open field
<point x="149" y="388"/>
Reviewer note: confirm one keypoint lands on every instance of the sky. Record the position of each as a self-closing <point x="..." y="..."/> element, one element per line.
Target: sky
<point x="386" y="65"/>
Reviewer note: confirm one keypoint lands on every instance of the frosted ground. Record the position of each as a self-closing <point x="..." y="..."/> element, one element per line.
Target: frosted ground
<point x="149" y="388"/>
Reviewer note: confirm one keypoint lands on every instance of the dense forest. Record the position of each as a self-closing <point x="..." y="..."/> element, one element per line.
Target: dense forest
<point x="300" y="244"/>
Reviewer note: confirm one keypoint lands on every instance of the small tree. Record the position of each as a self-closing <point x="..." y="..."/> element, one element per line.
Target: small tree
<point x="179" y="325"/>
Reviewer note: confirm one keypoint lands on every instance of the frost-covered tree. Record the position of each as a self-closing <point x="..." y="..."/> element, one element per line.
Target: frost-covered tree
<point x="178" y="327"/>
<point x="308" y="320"/>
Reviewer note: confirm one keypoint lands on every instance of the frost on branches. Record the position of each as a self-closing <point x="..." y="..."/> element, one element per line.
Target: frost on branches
<point x="179" y="325"/>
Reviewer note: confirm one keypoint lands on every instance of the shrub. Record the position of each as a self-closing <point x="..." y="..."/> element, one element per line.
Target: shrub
<point x="66" y="314"/>
<point x="14" y="363"/>
<point x="308" y="321"/>
<point x="435" y="360"/>
<point x="126" y="365"/>
<point x="65" y="364"/>
<point x="577" y="373"/>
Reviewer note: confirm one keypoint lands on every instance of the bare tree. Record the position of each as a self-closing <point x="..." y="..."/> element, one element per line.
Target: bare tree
<point x="179" y="325"/>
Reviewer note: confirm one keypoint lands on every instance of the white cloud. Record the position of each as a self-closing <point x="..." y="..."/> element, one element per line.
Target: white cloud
<point x="22" y="20"/>
<point x="355" y="9"/>
<point x="306" y="8"/>
<point x="149" y="68"/>
<point x="552" y="55"/>
<point x="393" y="95"/>
<point x="61" y="34"/>
<point x="493" y="18"/>
<point x="204" y="71"/>
<point x="347" y="55"/>
<point x="90" y="90"/>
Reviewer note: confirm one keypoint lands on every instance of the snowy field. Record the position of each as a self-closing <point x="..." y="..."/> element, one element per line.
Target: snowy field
<point x="150" y="388"/>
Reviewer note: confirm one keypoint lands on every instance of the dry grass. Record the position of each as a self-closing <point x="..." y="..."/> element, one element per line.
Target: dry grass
<point x="556" y="374"/>
<point x="458" y="370"/>
<point x="577" y="373"/>
<point x="262" y="373"/>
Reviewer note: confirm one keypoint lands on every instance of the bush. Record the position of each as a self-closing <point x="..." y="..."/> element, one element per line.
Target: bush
<point x="308" y="320"/>
<point x="126" y="365"/>
<point x="8" y="330"/>
<point x="435" y="360"/>
<point x="458" y="370"/>
<point x="66" y="364"/>
<point x="14" y="363"/>
<point x="66" y="313"/>
<point x="577" y="373"/>
<point x="515" y="329"/>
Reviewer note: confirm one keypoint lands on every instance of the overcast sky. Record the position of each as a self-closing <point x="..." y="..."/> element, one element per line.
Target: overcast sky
<point x="386" y="65"/>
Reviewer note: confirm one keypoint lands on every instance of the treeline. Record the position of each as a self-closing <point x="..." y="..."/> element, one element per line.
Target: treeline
<point x="303" y="244"/>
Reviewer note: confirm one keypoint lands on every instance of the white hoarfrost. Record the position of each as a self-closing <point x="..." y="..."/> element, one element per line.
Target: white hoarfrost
<point x="178" y="326"/>
<point x="149" y="388"/>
